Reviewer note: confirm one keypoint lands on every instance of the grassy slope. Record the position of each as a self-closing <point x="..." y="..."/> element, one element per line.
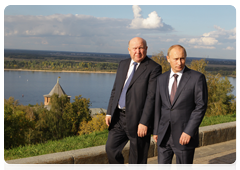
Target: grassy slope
<point x="85" y="141"/>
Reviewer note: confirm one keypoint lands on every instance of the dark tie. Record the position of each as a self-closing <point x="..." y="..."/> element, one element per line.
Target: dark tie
<point x="174" y="88"/>
<point x="124" y="90"/>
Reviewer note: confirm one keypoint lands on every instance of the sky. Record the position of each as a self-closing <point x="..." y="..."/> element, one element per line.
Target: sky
<point x="206" y="31"/>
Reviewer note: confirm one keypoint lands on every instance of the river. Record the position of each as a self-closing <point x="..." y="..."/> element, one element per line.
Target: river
<point x="28" y="87"/>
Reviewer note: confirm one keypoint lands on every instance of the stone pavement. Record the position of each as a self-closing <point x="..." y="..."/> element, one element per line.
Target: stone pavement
<point x="220" y="153"/>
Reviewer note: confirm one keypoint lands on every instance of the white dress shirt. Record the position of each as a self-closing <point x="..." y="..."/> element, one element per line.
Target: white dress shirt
<point x="131" y="66"/>
<point x="171" y="79"/>
<point x="130" y="69"/>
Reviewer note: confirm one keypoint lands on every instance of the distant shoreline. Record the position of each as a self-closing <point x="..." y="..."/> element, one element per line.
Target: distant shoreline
<point x="66" y="71"/>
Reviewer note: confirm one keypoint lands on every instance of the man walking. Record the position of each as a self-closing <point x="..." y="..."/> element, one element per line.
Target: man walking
<point x="180" y="105"/>
<point x="131" y="106"/>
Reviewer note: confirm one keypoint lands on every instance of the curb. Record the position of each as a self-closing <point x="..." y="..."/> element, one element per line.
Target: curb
<point x="97" y="155"/>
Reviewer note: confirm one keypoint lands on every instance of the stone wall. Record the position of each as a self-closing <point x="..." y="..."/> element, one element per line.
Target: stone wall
<point x="96" y="155"/>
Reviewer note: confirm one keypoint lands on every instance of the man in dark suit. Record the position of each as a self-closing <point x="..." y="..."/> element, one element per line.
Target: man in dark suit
<point x="131" y="106"/>
<point x="180" y="105"/>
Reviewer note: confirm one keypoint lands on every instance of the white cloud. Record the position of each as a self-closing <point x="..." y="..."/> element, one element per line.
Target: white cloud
<point x="203" y="41"/>
<point x="204" y="47"/>
<point x="199" y="41"/>
<point x="229" y="48"/>
<point x="232" y="37"/>
<point x="209" y="40"/>
<point x="66" y="32"/>
<point x="152" y="22"/>
<point x="60" y="25"/>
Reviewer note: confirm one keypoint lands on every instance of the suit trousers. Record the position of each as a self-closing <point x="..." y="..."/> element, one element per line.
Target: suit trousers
<point x="166" y="150"/>
<point x="119" y="136"/>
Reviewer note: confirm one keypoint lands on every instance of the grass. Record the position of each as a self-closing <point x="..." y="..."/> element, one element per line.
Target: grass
<point x="66" y="144"/>
<point x="218" y="119"/>
<point x="85" y="141"/>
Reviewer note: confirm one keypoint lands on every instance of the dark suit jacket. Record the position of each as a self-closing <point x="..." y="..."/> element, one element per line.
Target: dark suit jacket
<point x="140" y="94"/>
<point x="187" y="111"/>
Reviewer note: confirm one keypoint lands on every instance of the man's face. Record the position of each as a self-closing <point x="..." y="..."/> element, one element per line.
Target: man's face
<point x="137" y="49"/>
<point x="177" y="59"/>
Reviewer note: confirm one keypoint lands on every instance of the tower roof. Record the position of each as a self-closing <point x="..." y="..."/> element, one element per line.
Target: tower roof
<point x="56" y="89"/>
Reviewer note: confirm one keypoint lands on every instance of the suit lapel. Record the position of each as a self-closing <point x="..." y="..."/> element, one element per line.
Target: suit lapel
<point x="166" y="88"/>
<point x="182" y="83"/>
<point x="124" y="72"/>
<point x="142" y="67"/>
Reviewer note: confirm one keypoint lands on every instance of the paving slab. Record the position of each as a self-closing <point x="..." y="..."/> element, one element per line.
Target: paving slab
<point x="220" y="153"/>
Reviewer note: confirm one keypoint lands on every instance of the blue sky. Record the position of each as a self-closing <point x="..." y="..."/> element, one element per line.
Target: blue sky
<point x="204" y="30"/>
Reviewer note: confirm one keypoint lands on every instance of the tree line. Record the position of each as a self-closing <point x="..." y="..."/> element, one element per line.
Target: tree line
<point x="35" y="124"/>
<point x="57" y="65"/>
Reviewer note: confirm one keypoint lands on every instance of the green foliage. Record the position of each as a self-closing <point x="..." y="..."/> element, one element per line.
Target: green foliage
<point x="80" y="112"/>
<point x="212" y="120"/>
<point x="16" y="124"/>
<point x="60" y="65"/>
<point x="64" y="117"/>
<point x="199" y="65"/>
<point x="220" y="101"/>
<point x="30" y="125"/>
<point x="85" y="141"/>
<point x="162" y="60"/>
<point x="53" y="146"/>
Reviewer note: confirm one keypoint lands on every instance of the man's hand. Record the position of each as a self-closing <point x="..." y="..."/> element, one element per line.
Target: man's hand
<point x="155" y="137"/>
<point x="142" y="130"/>
<point x="108" y="120"/>
<point x="184" y="139"/>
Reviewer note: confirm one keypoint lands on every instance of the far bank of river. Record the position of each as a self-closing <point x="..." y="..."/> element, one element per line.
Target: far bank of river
<point x="69" y="71"/>
<point x="65" y="71"/>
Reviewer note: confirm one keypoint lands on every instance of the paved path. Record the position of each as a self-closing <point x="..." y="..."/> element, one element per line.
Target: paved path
<point x="220" y="153"/>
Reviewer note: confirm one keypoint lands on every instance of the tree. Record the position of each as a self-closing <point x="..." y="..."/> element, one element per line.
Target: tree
<point x="16" y="124"/>
<point x="80" y="112"/>
<point x="64" y="117"/>
<point x="220" y="99"/>
<point x="162" y="60"/>
<point x="199" y="65"/>
<point x="55" y="120"/>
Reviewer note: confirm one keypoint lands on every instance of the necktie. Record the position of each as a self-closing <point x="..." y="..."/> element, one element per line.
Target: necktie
<point x="174" y="88"/>
<point x="124" y="90"/>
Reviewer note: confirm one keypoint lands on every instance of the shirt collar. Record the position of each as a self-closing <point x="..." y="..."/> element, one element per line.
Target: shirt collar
<point x="131" y="63"/>
<point x="178" y="73"/>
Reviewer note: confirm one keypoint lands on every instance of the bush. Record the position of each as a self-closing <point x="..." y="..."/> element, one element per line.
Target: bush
<point x="16" y="124"/>
<point x="96" y="124"/>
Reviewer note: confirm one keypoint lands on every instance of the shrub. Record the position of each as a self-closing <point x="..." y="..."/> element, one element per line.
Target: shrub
<point x="96" y="124"/>
<point x="16" y="124"/>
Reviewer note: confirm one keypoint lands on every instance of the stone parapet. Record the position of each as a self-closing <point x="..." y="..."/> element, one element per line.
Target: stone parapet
<point x="96" y="155"/>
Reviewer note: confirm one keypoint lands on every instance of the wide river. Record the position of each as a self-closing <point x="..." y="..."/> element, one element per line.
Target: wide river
<point x="28" y="87"/>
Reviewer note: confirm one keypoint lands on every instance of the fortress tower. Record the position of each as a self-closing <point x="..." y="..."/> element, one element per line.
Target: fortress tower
<point x="56" y="89"/>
